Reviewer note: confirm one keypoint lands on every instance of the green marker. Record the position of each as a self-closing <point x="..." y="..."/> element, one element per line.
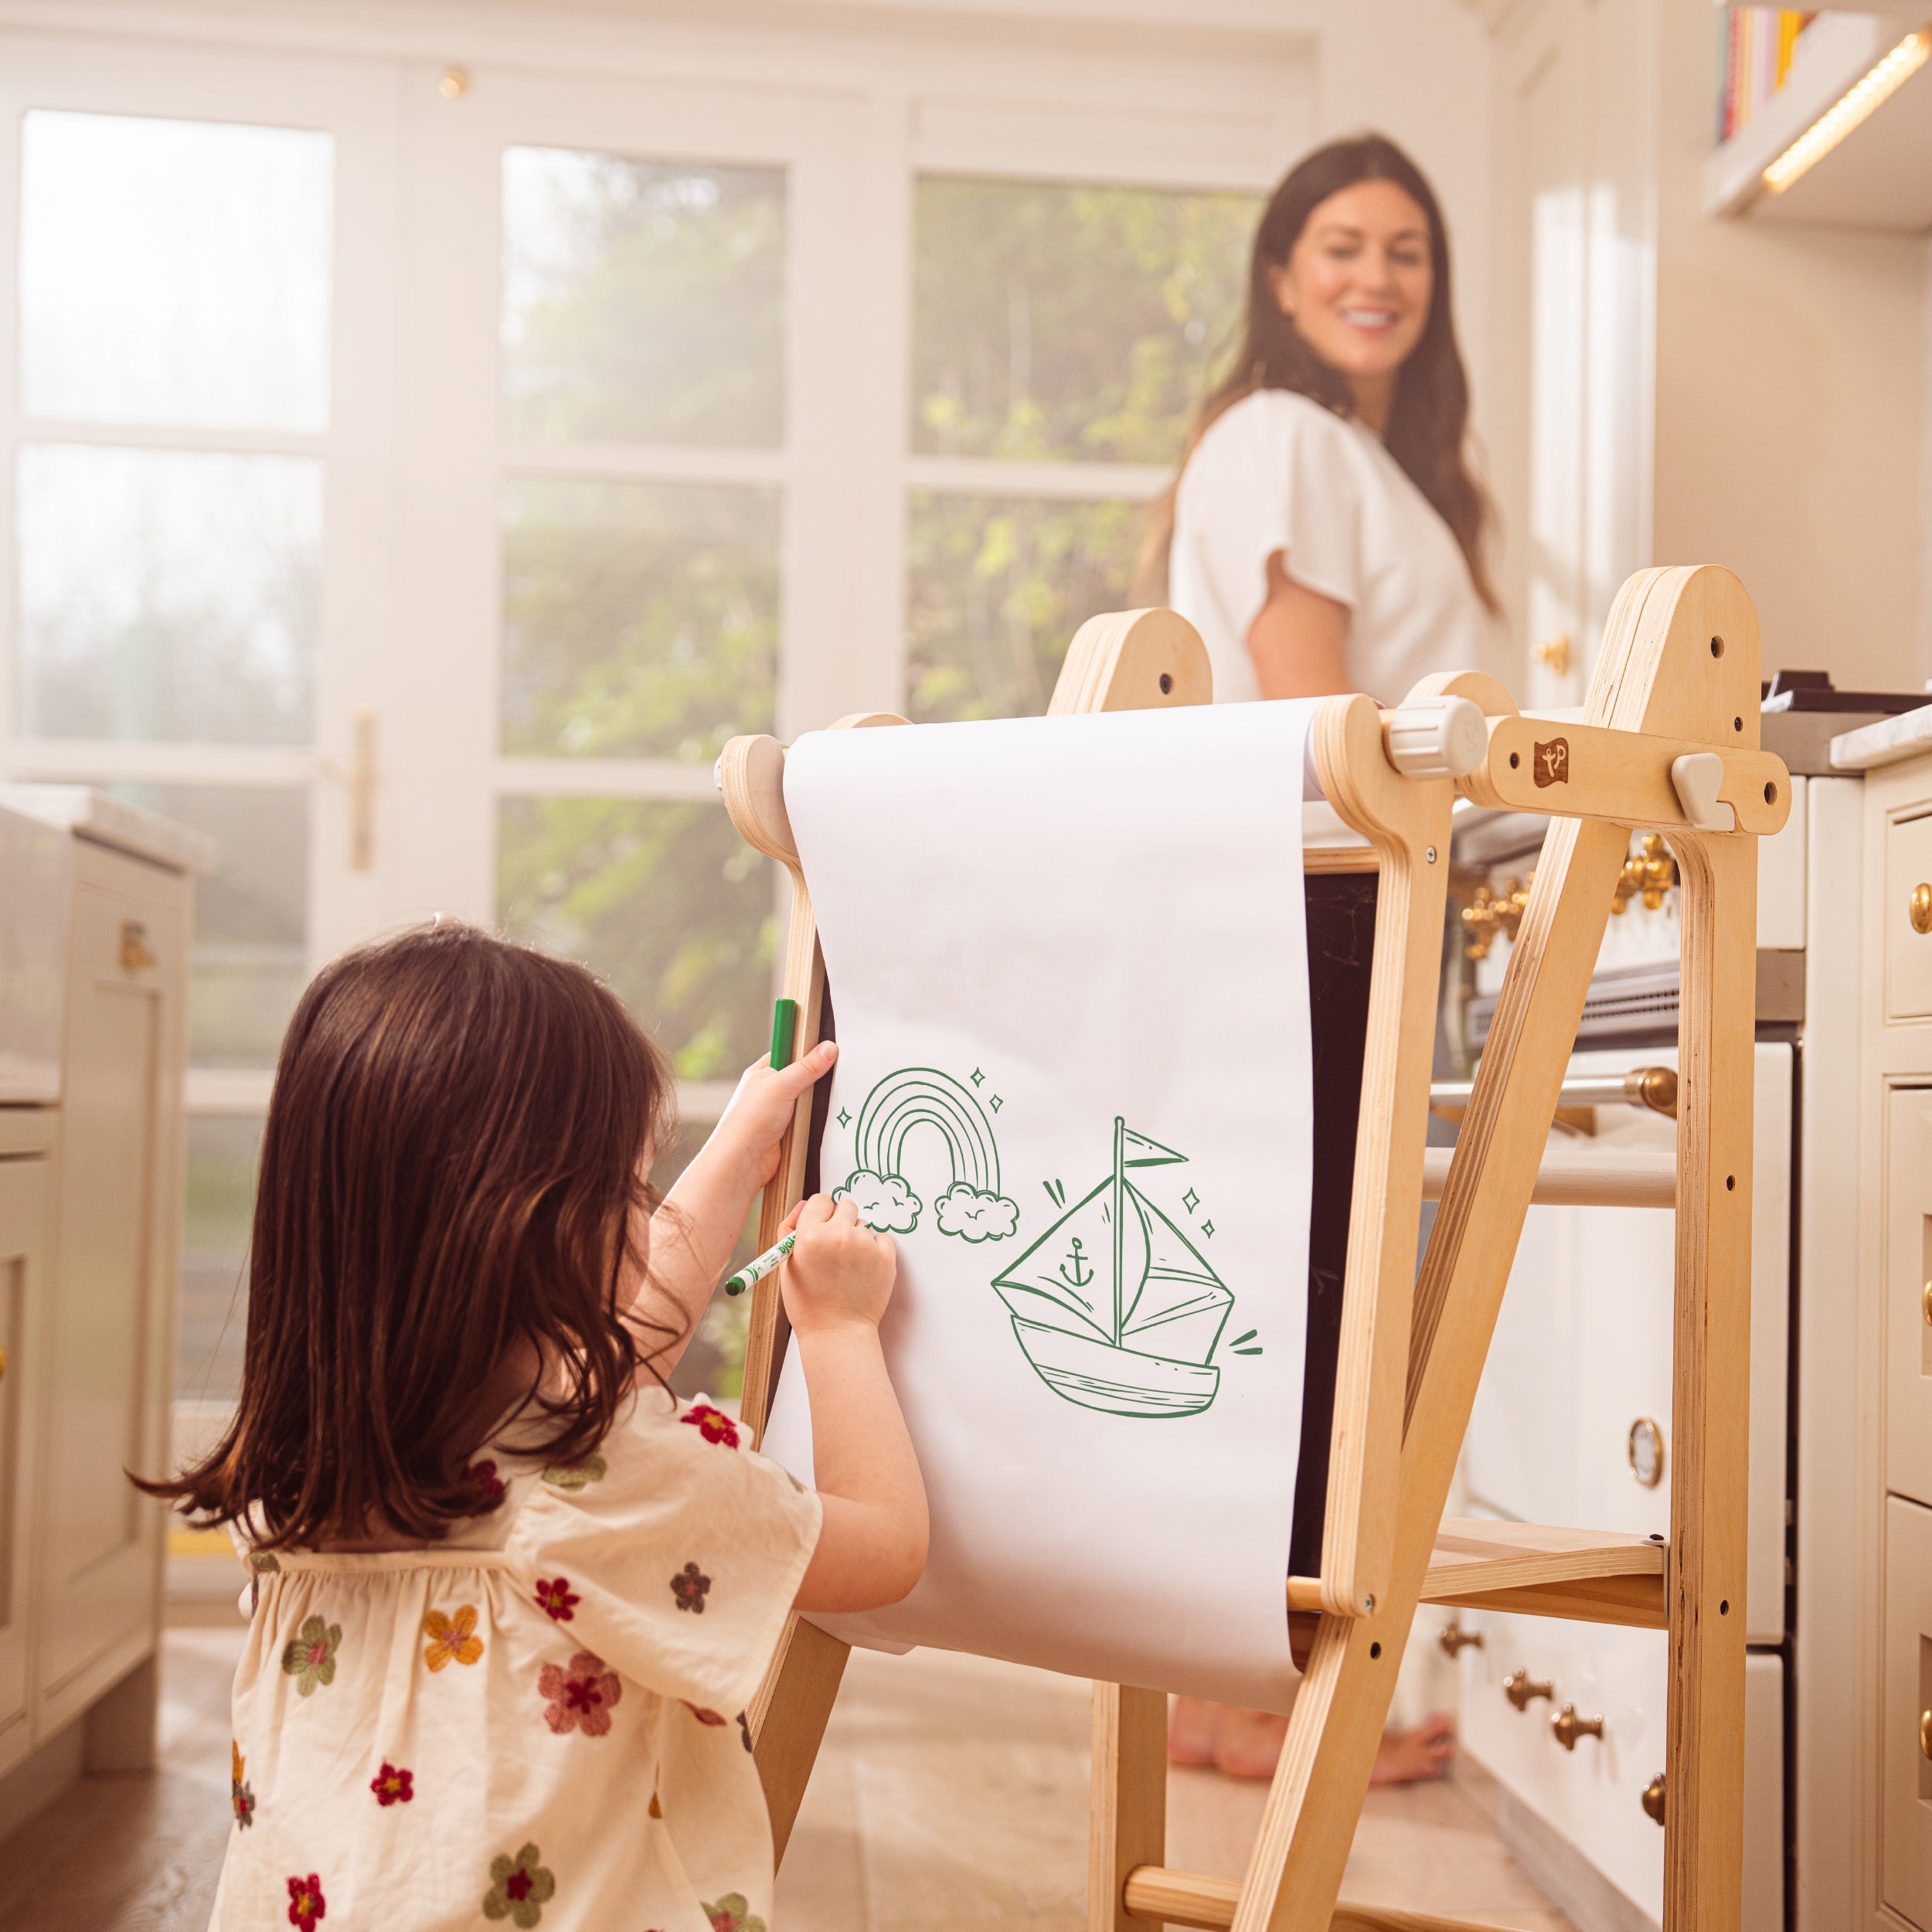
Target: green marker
<point x="754" y="1271"/>
<point x="784" y="1032"/>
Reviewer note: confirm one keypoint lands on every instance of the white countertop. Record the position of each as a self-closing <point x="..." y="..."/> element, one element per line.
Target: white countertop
<point x="93" y="814"/>
<point x="1890" y="742"/>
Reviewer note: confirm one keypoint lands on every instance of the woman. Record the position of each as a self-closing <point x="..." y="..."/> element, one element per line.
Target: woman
<point x="1325" y="534"/>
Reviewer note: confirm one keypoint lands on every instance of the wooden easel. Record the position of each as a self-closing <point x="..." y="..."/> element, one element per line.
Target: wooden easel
<point x="1670" y="742"/>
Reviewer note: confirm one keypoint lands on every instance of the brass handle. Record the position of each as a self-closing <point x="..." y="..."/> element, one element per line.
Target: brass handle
<point x="1490" y="916"/>
<point x="1653" y="1799"/>
<point x="1644" y="1449"/>
<point x="1569" y="1727"/>
<point x="1925" y="1303"/>
<point x="1556" y="653"/>
<point x="1455" y="1640"/>
<point x="1522" y="1691"/>
<point x="136" y="956"/>
<point x="1920" y="908"/>
<point x="1648" y="873"/>
<point x="3" y="1363"/>
<point x="362" y="777"/>
<point x="1925" y="1733"/>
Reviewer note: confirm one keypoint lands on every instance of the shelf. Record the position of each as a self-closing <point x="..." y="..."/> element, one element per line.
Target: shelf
<point x="1879" y="176"/>
<point x="1537" y="1569"/>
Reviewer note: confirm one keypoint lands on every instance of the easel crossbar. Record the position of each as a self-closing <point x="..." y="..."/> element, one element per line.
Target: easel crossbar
<point x="1157" y="1894"/>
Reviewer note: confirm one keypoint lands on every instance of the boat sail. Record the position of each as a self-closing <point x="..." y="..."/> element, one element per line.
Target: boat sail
<point x="1113" y="1305"/>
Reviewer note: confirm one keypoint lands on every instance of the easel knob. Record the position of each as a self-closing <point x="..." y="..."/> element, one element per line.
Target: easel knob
<point x="1436" y="737"/>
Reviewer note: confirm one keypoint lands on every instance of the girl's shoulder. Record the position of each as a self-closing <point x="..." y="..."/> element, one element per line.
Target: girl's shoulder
<point x="1276" y="419"/>
<point x="1273" y="440"/>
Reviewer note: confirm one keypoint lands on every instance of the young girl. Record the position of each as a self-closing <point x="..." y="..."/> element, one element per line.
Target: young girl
<point x="509" y="1601"/>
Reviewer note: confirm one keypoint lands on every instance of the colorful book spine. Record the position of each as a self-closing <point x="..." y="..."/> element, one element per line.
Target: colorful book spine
<point x="1756" y="50"/>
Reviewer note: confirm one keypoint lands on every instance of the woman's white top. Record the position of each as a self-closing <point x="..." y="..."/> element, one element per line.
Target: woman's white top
<point x="1279" y="473"/>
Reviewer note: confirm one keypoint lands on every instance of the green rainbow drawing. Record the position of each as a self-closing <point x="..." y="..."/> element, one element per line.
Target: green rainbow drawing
<point x="972" y="1208"/>
<point x="923" y="1097"/>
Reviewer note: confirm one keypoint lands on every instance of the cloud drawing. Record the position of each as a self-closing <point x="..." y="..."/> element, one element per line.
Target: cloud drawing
<point x="964" y="1211"/>
<point x="884" y="1202"/>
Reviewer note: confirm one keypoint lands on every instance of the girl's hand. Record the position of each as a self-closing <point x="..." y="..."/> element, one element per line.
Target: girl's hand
<point x="839" y="1272"/>
<point x="745" y="1140"/>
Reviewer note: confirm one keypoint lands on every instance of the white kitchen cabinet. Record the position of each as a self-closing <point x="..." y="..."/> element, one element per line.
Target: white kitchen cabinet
<point x="90" y="1236"/>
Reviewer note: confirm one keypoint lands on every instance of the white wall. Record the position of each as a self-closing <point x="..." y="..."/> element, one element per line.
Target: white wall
<point x="1790" y="374"/>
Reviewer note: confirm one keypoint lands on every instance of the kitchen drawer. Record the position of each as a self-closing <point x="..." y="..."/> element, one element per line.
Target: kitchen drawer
<point x="1905" y="1713"/>
<point x="1908" y="952"/>
<point x="1593" y="1797"/>
<point x="1907" y="1263"/>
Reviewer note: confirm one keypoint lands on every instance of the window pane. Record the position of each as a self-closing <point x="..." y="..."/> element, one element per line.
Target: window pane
<point x="643" y="300"/>
<point x="1052" y="320"/>
<point x="995" y="590"/>
<point x="250" y="958"/>
<point x="167" y="595"/>
<point x="666" y="902"/>
<point x="640" y="619"/>
<point x="223" y="1153"/>
<point x="174" y="271"/>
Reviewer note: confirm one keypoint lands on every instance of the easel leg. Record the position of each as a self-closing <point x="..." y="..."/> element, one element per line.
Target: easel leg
<point x="1710" y="1398"/>
<point x="787" y="1720"/>
<point x="1129" y="1823"/>
<point x="1294" y="1873"/>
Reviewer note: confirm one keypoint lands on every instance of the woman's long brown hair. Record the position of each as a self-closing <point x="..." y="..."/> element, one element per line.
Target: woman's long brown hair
<point x="448" y="1170"/>
<point x="1428" y="420"/>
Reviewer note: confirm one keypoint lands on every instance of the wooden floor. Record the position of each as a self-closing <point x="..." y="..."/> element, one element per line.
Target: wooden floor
<point x="951" y="1795"/>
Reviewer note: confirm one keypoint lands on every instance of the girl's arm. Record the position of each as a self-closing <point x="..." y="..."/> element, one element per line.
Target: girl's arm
<point x="1299" y="642"/>
<point x="693" y="1233"/>
<point x="871" y="1548"/>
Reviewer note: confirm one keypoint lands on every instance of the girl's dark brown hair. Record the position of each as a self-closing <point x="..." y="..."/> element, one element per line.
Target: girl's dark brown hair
<point x="1428" y="420"/>
<point x="449" y="1169"/>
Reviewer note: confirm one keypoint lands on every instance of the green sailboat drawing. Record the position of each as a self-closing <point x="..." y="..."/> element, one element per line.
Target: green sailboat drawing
<point x="1114" y="1306"/>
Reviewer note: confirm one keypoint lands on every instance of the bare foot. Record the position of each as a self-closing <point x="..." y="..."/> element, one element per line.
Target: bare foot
<point x="1193" y="1730"/>
<point x="1413" y="1757"/>
<point x="1250" y="1744"/>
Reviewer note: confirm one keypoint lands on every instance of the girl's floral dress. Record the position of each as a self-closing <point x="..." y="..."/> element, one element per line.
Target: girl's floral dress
<point x="539" y="1723"/>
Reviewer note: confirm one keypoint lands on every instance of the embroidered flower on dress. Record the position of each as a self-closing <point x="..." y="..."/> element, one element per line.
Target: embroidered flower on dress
<point x="689" y="1587"/>
<point x="555" y="1596"/>
<point x="239" y="1796"/>
<point x="582" y="1694"/>
<point x="310" y="1656"/>
<point x="487" y="1489"/>
<point x="263" y="1561"/>
<point x="393" y="1785"/>
<point x="521" y="1888"/>
<point x="451" y="1638"/>
<point x="713" y="1424"/>
<point x="732" y="1913"/>
<point x="700" y="1713"/>
<point x="576" y="1475"/>
<point x="306" y="1903"/>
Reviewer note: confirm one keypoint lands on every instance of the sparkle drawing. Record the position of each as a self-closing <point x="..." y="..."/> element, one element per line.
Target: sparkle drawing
<point x="1114" y="1306"/>
<point x="972" y="1208"/>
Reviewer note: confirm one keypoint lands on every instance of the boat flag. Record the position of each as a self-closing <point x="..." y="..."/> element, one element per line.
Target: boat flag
<point x="1137" y="1151"/>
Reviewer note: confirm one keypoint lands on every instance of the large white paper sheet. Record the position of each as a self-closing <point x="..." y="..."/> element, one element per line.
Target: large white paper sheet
<point x="1068" y="965"/>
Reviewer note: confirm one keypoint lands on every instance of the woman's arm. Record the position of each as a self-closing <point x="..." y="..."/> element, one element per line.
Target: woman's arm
<point x="872" y="1545"/>
<point x="1299" y="641"/>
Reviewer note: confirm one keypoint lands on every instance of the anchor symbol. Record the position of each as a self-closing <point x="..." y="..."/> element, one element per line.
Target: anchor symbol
<point x="1082" y="1273"/>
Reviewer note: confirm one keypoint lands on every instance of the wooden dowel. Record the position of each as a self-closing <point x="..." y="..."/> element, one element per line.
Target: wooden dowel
<point x="1185" y="1898"/>
<point x="1635" y="1178"/>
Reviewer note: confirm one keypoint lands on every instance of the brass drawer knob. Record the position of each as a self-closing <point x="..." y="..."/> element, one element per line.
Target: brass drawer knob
<point x="1568" y="1727"/>
<point x="1522" y="1691"/>
<point x="3" y="1363"/>
<point x="1554" y="652"/>
<point x="1925" y="1733"/>
<point x="136" y="956"/>
<point x="1925" y="1303"/>
<point x="1920" y="907"/>
<point x="1455" y="1640"/>
<point x="1653" y="1799"/>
